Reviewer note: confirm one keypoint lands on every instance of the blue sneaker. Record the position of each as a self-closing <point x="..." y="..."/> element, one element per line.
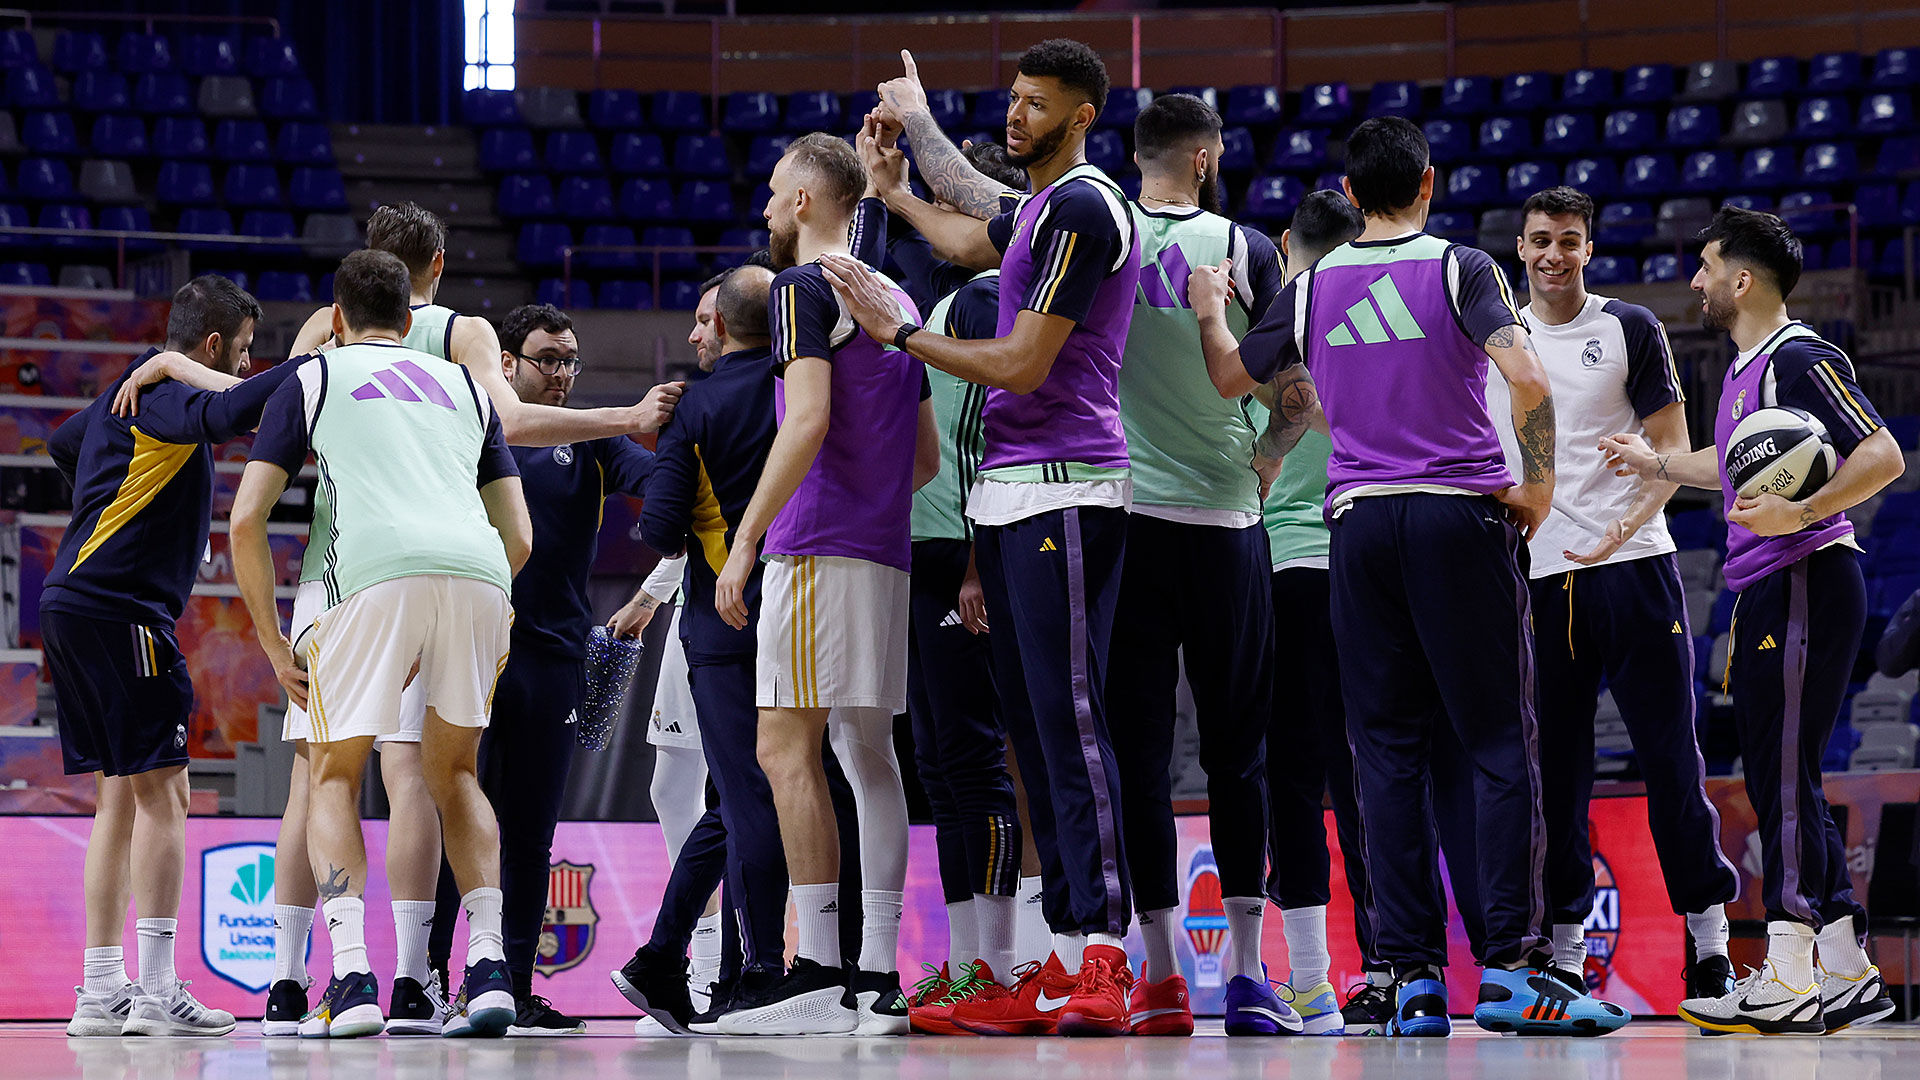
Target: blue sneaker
<point x="1420" y="1008"/>
<point x="486" y="1006"/>
<point x="1531" y="1002"/>
<point x="350" y="1009"/>
<point x="1319" y="1009"/>
<point x="1254" y="1009"/>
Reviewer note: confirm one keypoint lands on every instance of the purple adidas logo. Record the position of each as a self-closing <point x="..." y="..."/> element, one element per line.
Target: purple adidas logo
<point x="1170" y="292"/>
<point x="406" y="381"/>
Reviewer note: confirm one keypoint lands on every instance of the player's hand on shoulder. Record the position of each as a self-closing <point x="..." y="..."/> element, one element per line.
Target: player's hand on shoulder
<point x="867" y="299"/>
<point x="161" y="366"/>
<point x="1209" y="288"/>
<point x="654" y="410"/>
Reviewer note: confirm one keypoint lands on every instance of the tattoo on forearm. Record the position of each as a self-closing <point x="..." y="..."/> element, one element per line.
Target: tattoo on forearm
<point x="1660" y="471"/>
<point x="1295" y="401"/>
<point x="951" y="177"/>
<point x="1807" y="517"/>
<point x="1502" y="338"/>
<point x="1536" y="442"/>
<point x="337" y="883"/>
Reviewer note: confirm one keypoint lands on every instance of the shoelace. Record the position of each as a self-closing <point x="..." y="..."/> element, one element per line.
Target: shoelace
<point x="929" y="989"/>
<point x="1096" y="977"/>
<point x="967" y="986"/>
<point x="990" y="990"/>
<point x="1368" y="995"/>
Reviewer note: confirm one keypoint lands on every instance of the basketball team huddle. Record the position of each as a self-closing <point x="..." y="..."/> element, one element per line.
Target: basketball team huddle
<point x="1395" y="528"/>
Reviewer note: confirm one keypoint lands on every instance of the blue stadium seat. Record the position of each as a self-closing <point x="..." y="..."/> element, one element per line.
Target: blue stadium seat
<point x="25" y="275"/>
<point x="1207" y="94"/>
<point x="119" y="136"/>
<point x="525" y="195"/>
<point x="271" y="56"/>
<point x="1330" y="180"/>
<point x="1325" y="104"/>
<point x="1693" y="125"/>
<point x="144" y="53"/>
<point x="1123" y="107"/>
<point x="101" y="91"/>
<point x="288" y="97"/>
<point x="285" y="286"/>
<point x="1879" y="205"/>
<point x="1821" y="118"/>
<point x="269" y="225"/>
<point x="1454" y="225"/>
<point x="1299" y="150"/>
<point x="67" y="217"/>
<point x="701" y="155"/>
<point x="1647" y="175"/>
<point x="757" y="203"/>
<point x="1834" y="73"/>
<point x="44" y="178"/>
<point x="207" y="221"/>
<point x="1647" y="84"/>
<point x="1505" y="136"/>
<point x="639" y="153"/>
<point x="1896" y="68"/>
<point x="573" y="152"/>
<point x="1664" y="267"/>
<point x="49" y="133"/>
<point x="208" y="54"/>
<point x="608" y="236"/>
<point x="1470" y="186"/>
<point x="322" y="188"/>
<point x="947" y="107"/>
<point x="251" y="185"/>
<point x="1808" y="222"/>
<point x="1567" y="133"/>
<point x="241" y="140"/>
<point x="1763" y="166"/>
<point x="506" y="149"/>
<point x="646" y="199"/>
<point x="1236" y="149"/>
<point x="1629" y="129"/>
<point x="162" y="92"/>
<point x="680" y="111"/>
<point x="1273" y="198"/>
<point x="990" y="109"/>
<point x="79" y="50"/>
<point x="14" y="216"/>
<point x="184" y="183"/>
<point x="1829" y="163"/>
<point x="585" y="198"/>
<point x="1910" y="204"/>
<point x="614" y="110"/>
<point x="764" y="152"/>
<point x="1526" y="91"/>
<point x="238" y="277"/>
<point x="17" y="48"/>
<point x="176" y="137"/>
<point x="1607" y="270"/>
<point x="130" y="219"/>
<point x="1587" y="88"/>
<point x="1250" y="106"/>
<point x="1841" y="254"/>
<point x="626" y="295"/>
<point x="554" y="291"/>
<point x="490" y="108"/>
<point x="1707" y="170"/>
<point x="1624" y="224"/>
<point x="1447" y="140"/>
<point x="1596" y="176"/>
<point x="681" y="295"/>
<point x="1749" y="202"/>
<point x="746" y="238"/>
<point x="1394" y="97"/>
<point x="817" y="110"/>
<point x="750" y="112"/>
<point x="706" y="202"/>
<point x="1885" y="114"/>
<point x="1773" y="76"/>
<point x="32" y="87"/>
<point x="1526" y="177"/>
<point x="677" y="262"/>
<point x="1106" y="151"/>
<point x="540" y="243"/>
<point x="303" y="143"/>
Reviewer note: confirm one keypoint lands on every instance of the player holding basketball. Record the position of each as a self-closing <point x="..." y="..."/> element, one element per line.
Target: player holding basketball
<point x="1797" y="626"/>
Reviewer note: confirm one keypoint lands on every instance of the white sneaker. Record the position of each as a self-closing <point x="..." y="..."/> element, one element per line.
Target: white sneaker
<point x="175" y="1014"/>
<point x="1845" y="1002"/>
<point x="96" y="1015"/>
<point x="1760" y="1004"/>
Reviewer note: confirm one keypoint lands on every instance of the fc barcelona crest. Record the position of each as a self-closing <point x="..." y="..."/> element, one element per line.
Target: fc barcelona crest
<point x="566" y="937"/>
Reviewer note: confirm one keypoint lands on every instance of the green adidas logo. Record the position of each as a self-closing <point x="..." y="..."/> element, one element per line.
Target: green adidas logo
<point x="1392" y="322"/>
<point x="255" y="883"/>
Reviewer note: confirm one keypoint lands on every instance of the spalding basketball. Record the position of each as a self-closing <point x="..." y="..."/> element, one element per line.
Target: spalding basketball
<point x="1782" y="450"/>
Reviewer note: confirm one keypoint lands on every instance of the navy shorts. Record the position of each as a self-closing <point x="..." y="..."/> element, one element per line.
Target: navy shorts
<point x="123" y="693"/>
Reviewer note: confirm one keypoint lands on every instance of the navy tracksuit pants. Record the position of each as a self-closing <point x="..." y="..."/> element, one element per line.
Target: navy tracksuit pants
<point x="1204" y="588"/>
<point x="1796" y="633"/>
<point x="1051" y="582"/>
<point x="1626" y="622"/>
<point x="1430" y="615"/>
<point x="959" y="741"/>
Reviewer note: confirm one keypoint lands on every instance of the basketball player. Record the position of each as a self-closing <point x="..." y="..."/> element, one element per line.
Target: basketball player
<point x="416" y="563"/>
<point x="1796" y="631"/>
<point x="1607" y="599"/>
<point x="855" y="440"/>
<point x="1049" y="503"/>
<point x="142" y="496"/>
<point x="1429" y="602"/>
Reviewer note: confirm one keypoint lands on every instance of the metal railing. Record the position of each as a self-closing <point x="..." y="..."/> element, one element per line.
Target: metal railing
<point x="147" y="21"/>
<point x="655" y="251"/>
<point x="83" y="239"/>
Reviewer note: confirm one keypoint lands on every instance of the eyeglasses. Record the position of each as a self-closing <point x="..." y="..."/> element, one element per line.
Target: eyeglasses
<point x="552" y="365"/>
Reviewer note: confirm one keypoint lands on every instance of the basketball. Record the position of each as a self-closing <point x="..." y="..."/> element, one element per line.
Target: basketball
<point x="1782" y="450"/>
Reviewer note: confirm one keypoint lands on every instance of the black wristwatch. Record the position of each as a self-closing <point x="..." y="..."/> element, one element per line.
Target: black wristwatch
<point x="901" y="335"/>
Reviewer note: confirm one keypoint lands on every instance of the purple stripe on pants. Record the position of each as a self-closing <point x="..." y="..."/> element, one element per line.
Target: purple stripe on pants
<point x="1793" y="677"/>
<point x="1083" y="717"/>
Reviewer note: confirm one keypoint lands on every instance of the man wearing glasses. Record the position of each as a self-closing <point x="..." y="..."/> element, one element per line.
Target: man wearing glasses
<point x="526" y="752"/>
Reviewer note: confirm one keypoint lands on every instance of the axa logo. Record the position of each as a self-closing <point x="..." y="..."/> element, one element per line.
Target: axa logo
<point x="404" y="381"/>
<point x="1368" y="325"/>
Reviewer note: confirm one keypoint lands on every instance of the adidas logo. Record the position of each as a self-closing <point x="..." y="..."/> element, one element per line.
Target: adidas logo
<point x="1767" y="643"/>
<point x="1392" y="321"/>
<point x="832" y="908"/>
<point x="672" y="729"/>
<point x="1048" y="545"/>
<point x="406" y="381"/>
<point x="953" y="617"/>
<point x="1677" y="628"/>
<point x="333" y="924"/>
<point x="255" y="882"/>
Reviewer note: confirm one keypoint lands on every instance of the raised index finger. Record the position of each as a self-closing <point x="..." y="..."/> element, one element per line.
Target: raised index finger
<point x="913" y="70"/>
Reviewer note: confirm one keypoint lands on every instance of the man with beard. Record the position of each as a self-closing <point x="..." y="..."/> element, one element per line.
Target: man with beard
<point x="1049" y="503"/>
<point x="1796" y="631"/>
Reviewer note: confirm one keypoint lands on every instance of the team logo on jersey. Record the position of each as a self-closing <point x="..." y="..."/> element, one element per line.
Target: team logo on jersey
<point x="1603" y="925"/>
<point x="179" y="736"/>
<point x="1739" y="404"/>
<point x="1206" y="918"/>
<point x="1366" y="324"/>
<point x="236" y="914"/>
<point x="566" y="937"/>
<point x="1590" y="355"/>
<point x="563" y="455"/>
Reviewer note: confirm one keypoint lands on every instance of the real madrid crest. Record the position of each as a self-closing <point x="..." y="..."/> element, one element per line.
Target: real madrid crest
<point x="563" y="455"/>
<point x="1739" y="404"/>
<point x="1590" y="355"/>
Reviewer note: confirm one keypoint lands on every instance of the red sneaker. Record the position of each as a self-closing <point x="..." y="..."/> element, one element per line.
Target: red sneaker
<point x="930" y="989"/>
<point x="934" y="1014"/>
<point x="1099" y="1002"/>
<point x="1159" y="1008"/>
<point x="1031" y="1007"/>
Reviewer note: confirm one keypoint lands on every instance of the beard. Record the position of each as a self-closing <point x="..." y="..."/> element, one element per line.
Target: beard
<point x="1210" y="200"/>
<point x="783" y="244"/>
<point x="1718" y="315"/>
<point x="1042" y="147"/>
<point x="228" y="362"/>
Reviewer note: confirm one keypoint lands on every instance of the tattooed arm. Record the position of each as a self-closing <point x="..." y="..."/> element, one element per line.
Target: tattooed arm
<point x="948" y="173"/>
<point x="1296" y="407"/>
<point x="1532" y="395"/>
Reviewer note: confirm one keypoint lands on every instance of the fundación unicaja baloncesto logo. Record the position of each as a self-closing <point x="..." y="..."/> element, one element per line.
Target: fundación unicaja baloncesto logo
<point x="236" y="913"/>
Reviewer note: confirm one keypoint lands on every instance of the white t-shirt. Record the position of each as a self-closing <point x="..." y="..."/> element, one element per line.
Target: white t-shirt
<point x="1609" y="367"/>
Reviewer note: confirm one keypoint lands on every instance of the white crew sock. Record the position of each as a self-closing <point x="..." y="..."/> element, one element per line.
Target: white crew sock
<point x="995" y="918"/>
<point x="1790" y="953"/>
<point x="412" y="925"/>
<point x="1111" y="941"/>
<point x="104" y="969"/>
<point x="880" y="929"/>
<point x="1032" y="940"/>
<point x="1570" y="948"/>
<point x="347" y="929"/>
<point x="1840" y="951"/>
<point x="156" y="956"/>
<point x="963" y="936"/>
<point x="705" y="969"/>
<point x="1246" y="920"/>
<point x="1156" y="931"/>
<point x="818" y="907"/>
<point x="291" y="925"/>
<point x="483" y="925"/>
<point x="1709" y="931"/>
<point x="1068" y="948"/>
<point x="1306" y="932"/>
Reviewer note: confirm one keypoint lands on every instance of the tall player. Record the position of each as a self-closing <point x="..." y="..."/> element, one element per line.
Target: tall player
<point x="855" y="440"/>
<point x="1049" y="504"/>
<point x="1607" y="599"/>
<point x="1193" y="585"/>
<point x="1796" y="631"/>
<point x="1429" y="602"/>
<point x="416" y="563"/>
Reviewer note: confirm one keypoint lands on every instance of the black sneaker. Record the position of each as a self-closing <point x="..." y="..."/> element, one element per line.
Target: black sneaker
<point x="882" y="1007"/>
<point x="350" y="1009"/>
<point x="1573" y="982"/>
<point x="416" y="1009"/>
<point x="657" y="986"/>
<point x="1710" y="977"/>
<point x="719" y="1000"/>
<point x="808" y="1000"/>
<point x="536" y="1015"/>
<point x="286" y="1004"/>
<point x="1369" y="1009"/>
